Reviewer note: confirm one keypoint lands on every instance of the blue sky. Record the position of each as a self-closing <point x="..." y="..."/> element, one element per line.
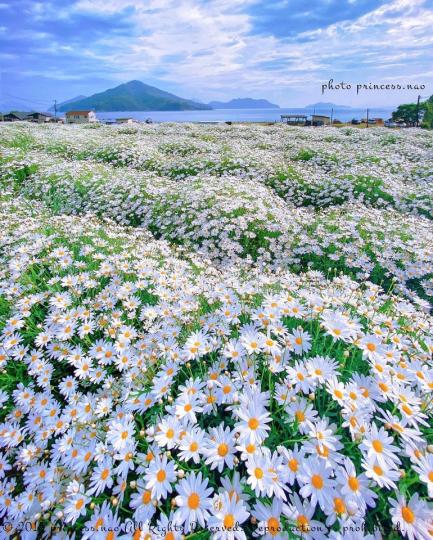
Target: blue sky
<point x="282" y="50"/>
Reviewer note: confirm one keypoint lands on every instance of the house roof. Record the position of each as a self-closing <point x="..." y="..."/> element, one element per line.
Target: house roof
<point x="81" y="113"/>
<point x="40" y="114"/>
<point x="17" y="114"/>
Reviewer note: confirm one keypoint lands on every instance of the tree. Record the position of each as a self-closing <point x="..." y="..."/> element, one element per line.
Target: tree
<point x="409" y="112"/>
<point x="427" y="121"/>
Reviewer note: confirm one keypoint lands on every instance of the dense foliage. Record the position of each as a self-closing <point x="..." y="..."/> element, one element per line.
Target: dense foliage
<point x="215" y="332"/>
<point x="414" y="114"/>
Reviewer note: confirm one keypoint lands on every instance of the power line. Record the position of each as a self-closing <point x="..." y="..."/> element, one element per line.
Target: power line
<point x="25" y="99"/>
<point x="32" y="101"/>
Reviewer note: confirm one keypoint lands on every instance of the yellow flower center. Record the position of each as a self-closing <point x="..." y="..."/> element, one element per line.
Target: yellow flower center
<point x="293" y="465"/>
<point x="353" y="483"/>
<point x="323" y="451"/>
<point x="407" y="409"/>
<point x="317" y="481"/>
<point x="223" y="450"/>
<point x="339" y="505"/>
<point x="258" y="473"/>
<point x="273" y="526"/>
<point x="253" y="423"/>
<point x="378" y="446"/>
<point x="407" y="514"/>
<point x="229" y="521"/>
<point x="193" y="501"/>
<point x="378" y="470"/>
<point x="302" y="523"/>
<point x="300" y="416"/>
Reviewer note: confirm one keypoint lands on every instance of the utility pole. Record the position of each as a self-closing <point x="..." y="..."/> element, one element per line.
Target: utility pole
<point x="367" y="116"/>
<point x="55" y="108"/>
<point x="332" y="116"/>
<point x="417" y="111"/>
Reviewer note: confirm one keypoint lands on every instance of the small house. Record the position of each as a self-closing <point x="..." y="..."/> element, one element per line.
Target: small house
<point x="80" y="117"/>
<point x="294" y="119"/>
<point x="39" y="117"/>
<point x="15" y="116"/>
<point x="378" y="121"/>
<point x="319" y="120"/>
<point x="124" y="120"/>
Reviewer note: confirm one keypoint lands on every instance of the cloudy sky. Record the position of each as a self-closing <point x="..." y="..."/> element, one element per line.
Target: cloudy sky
<point x="282" y="50"/>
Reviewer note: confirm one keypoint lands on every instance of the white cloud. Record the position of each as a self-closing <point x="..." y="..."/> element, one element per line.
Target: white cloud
<point x="209" y="48"/>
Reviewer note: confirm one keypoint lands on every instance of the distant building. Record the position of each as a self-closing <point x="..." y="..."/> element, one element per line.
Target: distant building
<point x="294" y="119"/>
<point x="80" y="117"/>
<point x="39" y="117"/>
<point x="378" y="121"/>
<point x="319" y="120"/>
<point x="15" y="116"/>
<point x="124" y="120"/>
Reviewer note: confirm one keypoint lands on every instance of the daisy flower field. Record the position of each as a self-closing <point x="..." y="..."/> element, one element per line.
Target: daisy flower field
<point x="215" y="332"/>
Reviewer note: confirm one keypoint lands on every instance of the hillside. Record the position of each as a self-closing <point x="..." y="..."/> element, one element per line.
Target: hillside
<point x="67" y="102"/>
<point x="133" y="96"/>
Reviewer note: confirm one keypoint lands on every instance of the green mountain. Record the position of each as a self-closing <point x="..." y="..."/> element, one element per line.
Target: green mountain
<point x="133" y="96"/>
<point x="72" y="100"/>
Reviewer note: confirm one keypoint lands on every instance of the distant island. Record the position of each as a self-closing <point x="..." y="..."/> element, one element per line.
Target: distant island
<point x="243" y="103"/>
<point x="328" y="105"/>
<point x="132" y="96"/>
